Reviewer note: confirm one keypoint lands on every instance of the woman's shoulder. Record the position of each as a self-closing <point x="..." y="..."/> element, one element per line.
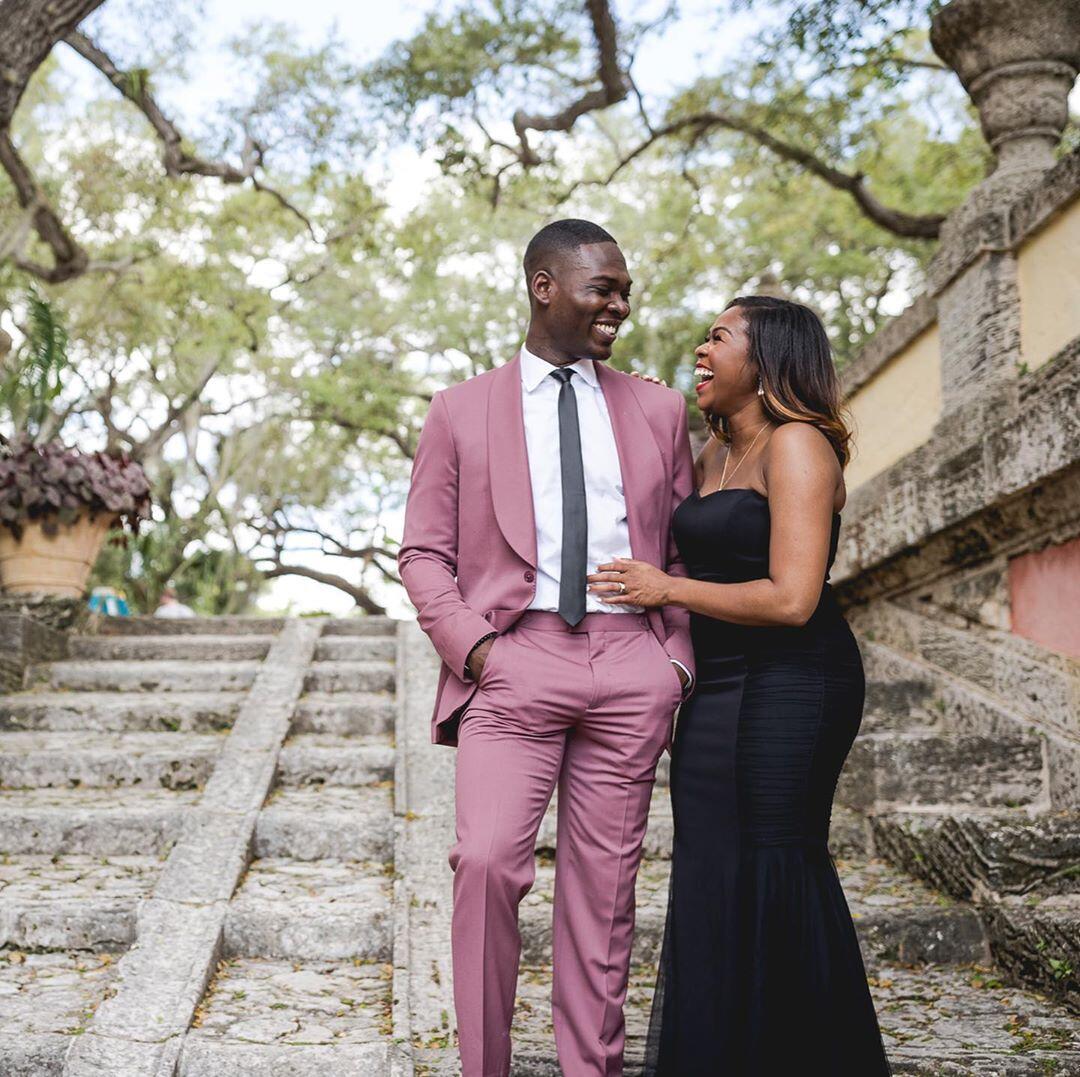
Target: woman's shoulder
<point x="793" y="440"/>
<point x="796" y="445"/>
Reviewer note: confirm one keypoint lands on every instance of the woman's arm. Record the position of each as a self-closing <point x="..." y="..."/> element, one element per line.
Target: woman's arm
<point x="801" y="473"/>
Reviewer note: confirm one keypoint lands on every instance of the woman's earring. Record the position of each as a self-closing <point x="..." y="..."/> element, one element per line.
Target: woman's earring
<point x="760" y="388"/>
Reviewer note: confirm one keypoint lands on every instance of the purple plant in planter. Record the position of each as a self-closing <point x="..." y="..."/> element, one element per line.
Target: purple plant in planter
<point x="52" y="485"/>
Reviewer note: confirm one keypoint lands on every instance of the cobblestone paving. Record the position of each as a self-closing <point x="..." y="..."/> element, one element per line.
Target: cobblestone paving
<point x="51" y="992"/>
<point x="74" y="878"/>
<point x="277" y="1002"/>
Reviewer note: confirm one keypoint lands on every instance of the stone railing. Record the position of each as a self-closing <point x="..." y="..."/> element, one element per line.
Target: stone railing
<point x="967" y="414"/>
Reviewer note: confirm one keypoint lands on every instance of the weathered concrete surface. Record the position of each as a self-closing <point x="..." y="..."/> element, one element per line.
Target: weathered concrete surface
<point x="45" y="999"/>
<point x="327" y="823"/>
<point x="358" y="676"/>
<point x="171" y="648"/>
<point x="96" y="822"/>
<point x="423" y="985"/>
<point x="345" y="714"/>
<point x="72" y="902"/>
<point x="307" y="910"/>
<point x="161" y="979"/>
<point x="106" y="760"/>
<point x="970" y="854"/>
<point x="917" y="767"/>
<point x="119" y="712"/>
<point x="330" y="759"/>
<point x="132" y="675"/>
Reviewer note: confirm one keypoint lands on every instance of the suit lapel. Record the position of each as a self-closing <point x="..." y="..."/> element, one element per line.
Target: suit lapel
<point x="641" y="462"/>
<point x="508" y="463"/>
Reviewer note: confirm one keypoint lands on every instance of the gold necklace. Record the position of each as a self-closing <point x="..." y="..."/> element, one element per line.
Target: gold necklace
<point x="723" y="475"/>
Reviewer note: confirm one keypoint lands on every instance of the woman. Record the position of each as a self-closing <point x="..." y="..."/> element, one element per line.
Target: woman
<point x="761" y="972"/>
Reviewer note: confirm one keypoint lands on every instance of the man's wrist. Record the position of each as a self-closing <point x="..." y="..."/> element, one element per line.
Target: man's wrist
<point x="472" y="650"/>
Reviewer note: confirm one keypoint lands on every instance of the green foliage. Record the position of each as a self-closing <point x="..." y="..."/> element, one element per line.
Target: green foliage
<point x="31" y="378"/>
<point x="272" y="372"/>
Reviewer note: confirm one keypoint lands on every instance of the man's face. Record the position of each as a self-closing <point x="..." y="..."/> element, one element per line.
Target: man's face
<point x="583" y="300"/>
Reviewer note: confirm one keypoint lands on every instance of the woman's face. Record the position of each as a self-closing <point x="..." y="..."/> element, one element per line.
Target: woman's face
<point x="725" y="379"/>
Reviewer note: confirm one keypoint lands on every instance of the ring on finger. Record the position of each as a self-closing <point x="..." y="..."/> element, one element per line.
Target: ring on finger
<point x="622" y="587"/>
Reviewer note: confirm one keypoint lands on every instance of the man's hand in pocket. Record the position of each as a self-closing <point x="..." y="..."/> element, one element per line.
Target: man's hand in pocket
<point x="477" y="658"/>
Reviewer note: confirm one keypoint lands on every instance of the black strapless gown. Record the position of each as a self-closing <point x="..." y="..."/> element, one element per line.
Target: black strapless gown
<point x="760" y="974"/>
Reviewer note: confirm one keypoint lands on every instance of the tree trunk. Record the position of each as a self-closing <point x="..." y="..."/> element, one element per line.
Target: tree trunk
<point x="28" y="31"/>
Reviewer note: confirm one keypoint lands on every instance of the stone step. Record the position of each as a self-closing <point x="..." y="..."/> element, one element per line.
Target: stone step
<point x="45" y="1000"/>
<point x="72" y="902"/>
<point x="849" y="834"/>
<point x="896" y="918"/>
<point x="930" y="767"/>
<point x="92" y="822"/>
<point x="323" y="758"/>
<point x="350" y="677"/>
<point x="327" y="823"/>
<point x="176" y="648"/>
<point x="91" y="759"/>
<point x="345" y="714"/>
<point x="180" y="712"/>
<point x="900" y="693"/>
<point x="313" y="910"/>
<point x="356" y="649"/>
<point x="1037" y="942"/>
<point x="936" y="1021"/>
<point x="359" y="626"/>
<point x="939" y="1021"/>
<point x="966" y="852"/>
<point x="162" y="676"/>
<point x="309" y="1019"/>
<point x="190" y="626"/>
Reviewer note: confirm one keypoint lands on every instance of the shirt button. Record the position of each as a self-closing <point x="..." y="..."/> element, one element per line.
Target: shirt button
<point x="530" y="577"/>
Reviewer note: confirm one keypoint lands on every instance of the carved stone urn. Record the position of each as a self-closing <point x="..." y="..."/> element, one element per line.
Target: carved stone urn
<point x="1018" y="60"/>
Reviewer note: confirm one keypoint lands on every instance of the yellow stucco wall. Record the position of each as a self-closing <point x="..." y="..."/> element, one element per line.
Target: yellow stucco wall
<point x="1048" y="268"/>
<point x="896" y="410"/>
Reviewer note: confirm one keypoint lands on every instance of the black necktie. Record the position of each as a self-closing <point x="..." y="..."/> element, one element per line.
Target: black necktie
<point x="575" y="519"/>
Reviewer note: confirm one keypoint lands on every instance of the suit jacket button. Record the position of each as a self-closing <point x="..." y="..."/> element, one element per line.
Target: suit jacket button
<point x="530" y="577"/>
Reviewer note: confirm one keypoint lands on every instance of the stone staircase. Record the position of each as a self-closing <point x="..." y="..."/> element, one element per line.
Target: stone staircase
<point x="223" y="852"/>
<point x="197" y="835"/>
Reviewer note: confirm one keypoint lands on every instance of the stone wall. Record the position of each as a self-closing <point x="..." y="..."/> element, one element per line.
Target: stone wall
<point x="972" y="477"/>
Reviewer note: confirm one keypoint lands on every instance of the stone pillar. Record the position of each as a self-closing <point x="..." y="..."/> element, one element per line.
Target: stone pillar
<point x="1018" y="59"/>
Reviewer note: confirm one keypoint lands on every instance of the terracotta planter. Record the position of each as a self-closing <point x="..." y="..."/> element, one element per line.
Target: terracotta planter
<point x="55" y="565"/>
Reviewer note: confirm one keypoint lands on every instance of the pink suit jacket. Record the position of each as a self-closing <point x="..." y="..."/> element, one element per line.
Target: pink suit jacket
<point x="468" y="556"/>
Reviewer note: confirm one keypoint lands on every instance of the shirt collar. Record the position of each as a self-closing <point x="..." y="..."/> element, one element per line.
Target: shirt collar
<point x="534" y="370"/>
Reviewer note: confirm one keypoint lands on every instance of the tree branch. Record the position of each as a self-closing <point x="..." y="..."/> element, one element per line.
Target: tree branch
<point x="151" y="445"/>
<point x="70" y="259"/>
<point x="614" y="86"/>
<point x="175" y="158"/>
<point x="701" y="123"/>
<point x="357" y="593"/>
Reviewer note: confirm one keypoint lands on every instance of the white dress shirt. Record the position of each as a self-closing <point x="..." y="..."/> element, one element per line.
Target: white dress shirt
<point x="605" y="502"/>
<point x="608" y="531"/>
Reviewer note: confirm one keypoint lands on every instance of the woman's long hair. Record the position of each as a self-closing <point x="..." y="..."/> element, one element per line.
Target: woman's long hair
<point x="790" y="350"/>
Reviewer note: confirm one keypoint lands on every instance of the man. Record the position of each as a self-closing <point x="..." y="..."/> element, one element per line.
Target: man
<point x="526" y="478"/>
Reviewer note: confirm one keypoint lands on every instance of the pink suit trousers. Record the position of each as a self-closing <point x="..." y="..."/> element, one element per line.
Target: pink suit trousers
<point x="588" y="710"/>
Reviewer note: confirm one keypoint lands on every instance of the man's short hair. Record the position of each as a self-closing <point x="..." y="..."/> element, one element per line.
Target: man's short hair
<point x="560" y="236"/>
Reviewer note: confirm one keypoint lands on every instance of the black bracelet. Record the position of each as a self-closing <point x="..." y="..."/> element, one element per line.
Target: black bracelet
<point x="483" y="639"/>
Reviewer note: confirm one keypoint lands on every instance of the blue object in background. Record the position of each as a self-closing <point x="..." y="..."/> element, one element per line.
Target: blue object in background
<point x="108" y="601"/>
